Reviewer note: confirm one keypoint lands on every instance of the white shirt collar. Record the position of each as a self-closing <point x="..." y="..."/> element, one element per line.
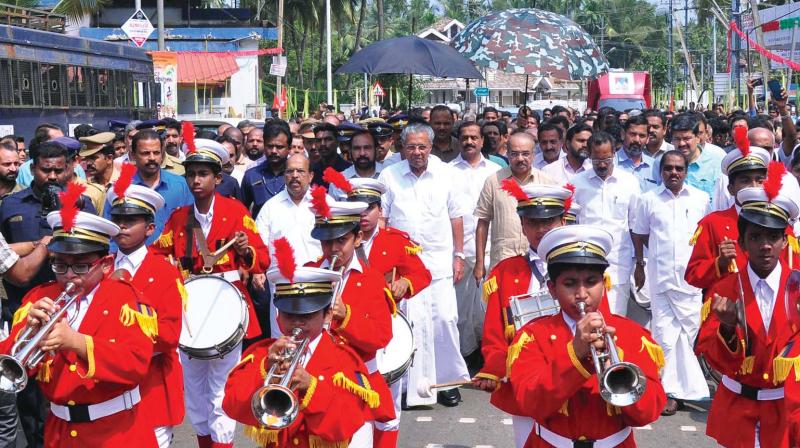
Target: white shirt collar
<point x="569" y="321"/>
<point x="664" y="190"/>
<point x="367" y="242"/>
<point x="460" y="161"/>
<point x="766" y="305"/>
<point x="312" y="346"/>
<point x="130" y="261"/>
<point x="773" y="279"/>
<point x="205" y="220"/>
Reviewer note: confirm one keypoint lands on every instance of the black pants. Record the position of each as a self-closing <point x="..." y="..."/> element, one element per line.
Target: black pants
<point x="261" y="304"/>
<point x="32" y="408"/>
<point x="8" y="420"/>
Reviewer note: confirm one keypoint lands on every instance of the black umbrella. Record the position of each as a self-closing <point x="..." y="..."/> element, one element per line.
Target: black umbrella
<point x="411" y="55"/>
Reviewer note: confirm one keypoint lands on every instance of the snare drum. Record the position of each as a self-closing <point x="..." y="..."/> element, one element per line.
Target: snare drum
<point x="394" y="359"/>
<point x="527" y="307"/>
<point x="216" y="315"/>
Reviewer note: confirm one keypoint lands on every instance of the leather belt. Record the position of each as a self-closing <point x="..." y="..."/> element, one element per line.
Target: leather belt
<point x="82" y="413"/>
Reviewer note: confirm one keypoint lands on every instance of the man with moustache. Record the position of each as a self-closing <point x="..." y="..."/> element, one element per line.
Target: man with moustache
<point x="229" y="186"/>
<point x="362" y="153"/>
<point x="495" y="137"/>
<point x="704" y="166"/>
<point x="98" y="157"/>
<point x="577" y="150"/>
<point x="551" y="142"/>
<point x="173" y="141"/>
<point x="474" y="169"/>
<point x="327" y="143"/>
<point x="254" y="144"/>
<point x="263" y="181"/>
<point x="497" y="208"/>
<point x="633" y="158"/>
<point x="288" y="214"/>
<point x="146" y="153"/>
<point x="665" y="219"/>
<point x="445" y="146"/>
<point x="384" y="139"/>
<point x="656" y="131"/>
<point x="9" y="168"/>
<point x="608" y="199"/>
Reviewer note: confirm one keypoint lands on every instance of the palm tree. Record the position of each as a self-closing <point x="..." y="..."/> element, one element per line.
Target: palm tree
<point x="76" y="10"/>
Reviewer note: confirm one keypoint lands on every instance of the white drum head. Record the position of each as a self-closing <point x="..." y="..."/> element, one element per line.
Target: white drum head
<point x="215" y="309"/>
<point x="399" y="350"/>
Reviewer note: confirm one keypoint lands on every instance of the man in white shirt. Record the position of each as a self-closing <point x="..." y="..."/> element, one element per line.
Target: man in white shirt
<point x="665" y="220"/>
<point x="288" y="214"/>
<point x="363" y="147"/>
<point x="551" y="144"/>
<point x="577" y="155"/>
<point x="474" y="169"/>
<point x="608" y="199"/>
<point x="422" y="200"/>
<point x="656" y="131"/>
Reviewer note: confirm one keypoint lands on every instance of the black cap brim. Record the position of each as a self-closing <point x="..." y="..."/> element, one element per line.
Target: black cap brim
<point x="368" y="199"/>
<point x="332" y="231"/>
<point x="746" y="167"/>
<point x="302" y="304"/>
<point x="581" y="258"/>
<point x="763" y="219"/>
<point x="194" y="158"/>
<point x="129" y="210"/>
<point x="540" y="212"/>
<point x="75" y="246"/>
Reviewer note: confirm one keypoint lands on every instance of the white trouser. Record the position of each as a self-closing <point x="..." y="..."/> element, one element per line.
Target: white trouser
<point x="363" y="437"/>
<point x="434" y="316"/>
<point x="397" y="397"/>
<point x="164" y="436"/>
<point x="471" y="310"/>
<point x="522" y="429"/>
<point x="676" y="321"/>
<point x="204" y="383"/>
<point x="618" y="297"/>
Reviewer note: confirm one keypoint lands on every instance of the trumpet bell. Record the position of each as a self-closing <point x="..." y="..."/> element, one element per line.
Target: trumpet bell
<point x="275" y="406"/>
<point x="622" y="384"/>
<point x="13" y="377"/>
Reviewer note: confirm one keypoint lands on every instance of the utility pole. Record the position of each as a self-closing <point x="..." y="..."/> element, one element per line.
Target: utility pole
<point x="328" y="33"/>
<point x="737" y="45"/>
<point x="670" y="74"/>
<point x="160" y="17"/>
<point x="603" y="34"/>
<point x="684" y="41"/>
<point x="279" y="84"/>
<point x="760" y="40"/>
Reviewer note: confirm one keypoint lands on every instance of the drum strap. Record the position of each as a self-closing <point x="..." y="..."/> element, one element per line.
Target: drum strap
<point x="539" y="277"/>
<point x="188" y="260"/>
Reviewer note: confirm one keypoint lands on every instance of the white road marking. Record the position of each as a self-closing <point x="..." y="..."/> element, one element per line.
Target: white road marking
<point x="689" y="428"/>
<point x="484" y="446"/>
<point x="645" y="427"/>
<point x="506" y="421"/>
<point x="466" y="420"/>
<point x="424" y="419"/>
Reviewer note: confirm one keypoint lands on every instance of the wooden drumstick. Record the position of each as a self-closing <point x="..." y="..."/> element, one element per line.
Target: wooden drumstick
<point x="425" y="390"/>
<point x="394" y="276"/>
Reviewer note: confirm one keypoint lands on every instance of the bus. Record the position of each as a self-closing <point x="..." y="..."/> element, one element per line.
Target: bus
<point x="64" y="80"/>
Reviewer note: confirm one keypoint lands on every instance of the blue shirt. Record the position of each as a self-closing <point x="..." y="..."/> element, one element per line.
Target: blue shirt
<point x="643" y="172"/>
<point x="704" y="171"/>
<point x="21" y="220"/>
<point x="229" y="187"/>
<point x="176" y="194"/>
<point x="259" y="185"/>
<point x="25" y="176"/>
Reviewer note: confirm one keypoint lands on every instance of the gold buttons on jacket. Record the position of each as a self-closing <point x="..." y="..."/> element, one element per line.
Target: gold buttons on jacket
<point x="73" y="368"/>
<point x="516" y="280"/>
<point x="73" y="433"/>
<point x="296" y="441"/>
<point x="766" y="376"/>
<point x="70" y="403"/>
<point x="552" y="337"/>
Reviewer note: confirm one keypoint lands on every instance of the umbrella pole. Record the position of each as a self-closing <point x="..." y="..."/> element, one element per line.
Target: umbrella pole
<point x="410" y="89"/>
<point x="526" y="91"/>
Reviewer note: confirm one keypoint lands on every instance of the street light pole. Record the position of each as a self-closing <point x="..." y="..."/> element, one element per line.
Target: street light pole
<point x="328" y="32"/>
<point x="160" y="17"/>
<point x="279" y="84"/>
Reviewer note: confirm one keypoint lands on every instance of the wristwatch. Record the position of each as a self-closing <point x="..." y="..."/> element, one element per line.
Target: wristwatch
<point x="460" y="255"/>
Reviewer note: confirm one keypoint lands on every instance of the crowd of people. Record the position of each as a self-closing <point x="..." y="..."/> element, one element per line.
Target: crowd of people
<point x="514" y="248"/>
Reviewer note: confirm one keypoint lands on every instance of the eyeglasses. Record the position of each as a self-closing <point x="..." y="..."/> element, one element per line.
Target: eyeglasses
<point x="415" y="147"/>
<point x="77" y="268"/>
<point x="602" y="161"/>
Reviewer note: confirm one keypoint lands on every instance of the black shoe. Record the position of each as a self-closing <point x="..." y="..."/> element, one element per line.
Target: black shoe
<point x="403" y="404"/>
<point x="449" y="398"/>
<point x="671" y="408"/>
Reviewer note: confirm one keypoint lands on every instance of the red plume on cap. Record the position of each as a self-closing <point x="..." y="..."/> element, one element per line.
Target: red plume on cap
<point x="568" y="201"/>
<point x="338" y="180"/>
<point x="319" y="201"/>
<point x="187" y="132"/>
<point x="774" y="182"/>
<point x="741" y="140"/>
<point x="511" y="187"/>
<point x="125" y="179"/>
<point x="69" y="205"/>
<point x="284" y="254"/>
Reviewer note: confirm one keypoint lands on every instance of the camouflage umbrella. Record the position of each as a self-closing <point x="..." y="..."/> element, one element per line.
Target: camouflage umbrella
<point x="531" y="42"/>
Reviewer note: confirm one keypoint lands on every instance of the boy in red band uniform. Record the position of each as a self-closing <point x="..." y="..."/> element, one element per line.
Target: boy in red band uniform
<point x="392" y="253"/>
<point x="551" y="368"/>
<point x="220" y="220"/>
<point x="330" y="381"/>
<point x="540" y="209"/>
<point x="133" y="209"/>
<point x="362" y="314"/>
<point x="102" y="346"/>
<point x="715" y="239"/>
<point x="748" y="408"/>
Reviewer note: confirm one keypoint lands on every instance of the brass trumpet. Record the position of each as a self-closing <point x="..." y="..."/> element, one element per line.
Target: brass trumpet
<point x="275" y="405"/>
<point x="25" y="353"/>
<point x="621" y="383"/>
